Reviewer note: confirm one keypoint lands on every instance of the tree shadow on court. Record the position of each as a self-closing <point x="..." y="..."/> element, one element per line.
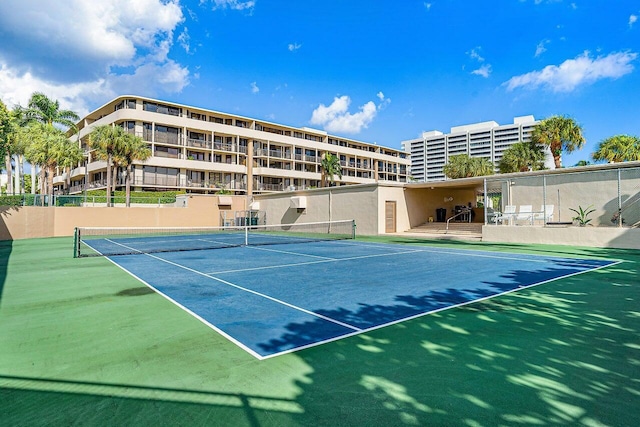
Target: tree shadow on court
<point x="565" y="353"/>
<point x="374" y="315"/>
<point x="6" y="245"/>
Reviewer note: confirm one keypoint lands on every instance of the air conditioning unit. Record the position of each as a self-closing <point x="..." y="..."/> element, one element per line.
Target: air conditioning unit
<point x="225" y="200"/>
<point x="298" y="202"/>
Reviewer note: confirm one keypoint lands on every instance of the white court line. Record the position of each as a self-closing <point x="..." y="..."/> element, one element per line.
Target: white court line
<point x="290" y="253"/>
<point x="310" y="262"/>
<point x="194" y="314"/>
<point x="472" y="253"/>
<point x="373" y="328"/>
<point x="257" y="293"/>
<point x="357" y="331"/>
<point x="328" y="319"/>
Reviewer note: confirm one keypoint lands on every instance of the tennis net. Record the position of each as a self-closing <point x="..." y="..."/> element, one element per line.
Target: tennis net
<point x="111" y="241"/>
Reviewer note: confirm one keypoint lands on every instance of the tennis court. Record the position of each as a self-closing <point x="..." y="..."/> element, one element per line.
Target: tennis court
<point x="82" y="341"/>
<point x="292" y="290"/>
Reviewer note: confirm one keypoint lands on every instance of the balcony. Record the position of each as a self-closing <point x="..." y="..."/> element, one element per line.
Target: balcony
<point x="167" y="138"/>
<point x="198" y="143"/>
<point x="224" y="146"/>
<point x="167" y="155"/>
<point x="269" y="187"/>
<point x="160" y="180"/>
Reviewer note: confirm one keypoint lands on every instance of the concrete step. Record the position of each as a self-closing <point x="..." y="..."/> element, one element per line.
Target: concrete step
<point x="457" y="230"/>
<point x="454" y="227"/>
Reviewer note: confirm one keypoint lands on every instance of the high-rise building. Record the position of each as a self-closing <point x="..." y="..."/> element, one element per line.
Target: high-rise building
<point x="201" y="150"/>
<point x="430" y="153"/>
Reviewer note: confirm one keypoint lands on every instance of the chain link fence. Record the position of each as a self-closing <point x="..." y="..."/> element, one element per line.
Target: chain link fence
<point x="601" y="198"/>
<point x="85" y="201"/>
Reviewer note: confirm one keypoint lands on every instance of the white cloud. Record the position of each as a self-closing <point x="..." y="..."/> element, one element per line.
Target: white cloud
<point x="233" y="4"/>
<point x="184" y="39"/>
<point x="79" y="50"/>
<point x="541" y="47"/>
<point x="632" y="20"/>
<point x="294" y="46"/>
<point x="475" y="54"/>
<point x="254" y="88"/>
<point x="336" y="117"/>
<point x="484" y="71"/>
<point x="579" y="71"/>
<point x="428" y="6"/>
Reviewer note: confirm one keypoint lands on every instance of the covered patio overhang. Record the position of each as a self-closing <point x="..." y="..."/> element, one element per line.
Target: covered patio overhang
<point x="429" y="201"/>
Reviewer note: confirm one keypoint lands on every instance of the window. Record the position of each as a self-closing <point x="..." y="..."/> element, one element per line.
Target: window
<point x="155" y="175"/>
<point x="160" y="108"/>
<point x="170" y="152"/>
<point x="194" y="155"/>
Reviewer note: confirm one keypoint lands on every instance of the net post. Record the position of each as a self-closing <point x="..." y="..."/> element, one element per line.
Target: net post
<point x="76" y="242"/>
<point x="246" y="234"/>
<point x="353" y="233"/>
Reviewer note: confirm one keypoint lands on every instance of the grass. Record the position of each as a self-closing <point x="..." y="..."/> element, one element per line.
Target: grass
<point x="82" y="342"/>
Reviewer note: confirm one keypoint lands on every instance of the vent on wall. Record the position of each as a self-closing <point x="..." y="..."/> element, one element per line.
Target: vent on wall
<point x="298" y="202"/>
<point x="225" y="200"/>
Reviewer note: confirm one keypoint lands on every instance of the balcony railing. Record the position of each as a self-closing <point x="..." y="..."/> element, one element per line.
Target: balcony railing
<point x="168" y="155"/>
<point x="198" y="143"/>
<point x="165" y="181"/>
<point x="167" y="138"/>
<point x="224" y="146"/>
<point x="269" y="187"/>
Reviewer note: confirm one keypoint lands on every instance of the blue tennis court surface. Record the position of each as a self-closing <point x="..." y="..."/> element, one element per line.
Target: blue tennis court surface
<point x="276" y="299"/>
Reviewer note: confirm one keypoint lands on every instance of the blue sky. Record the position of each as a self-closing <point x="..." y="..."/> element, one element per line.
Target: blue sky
<point x="376" y="71"/>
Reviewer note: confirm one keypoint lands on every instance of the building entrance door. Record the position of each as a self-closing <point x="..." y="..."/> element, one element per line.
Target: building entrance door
<point x="389" y="217"/>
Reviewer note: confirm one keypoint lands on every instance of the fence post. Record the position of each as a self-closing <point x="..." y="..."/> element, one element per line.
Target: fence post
<point x="619" y="202"/>
<point x="544" y="200"/>
<point x="486" y="211"/>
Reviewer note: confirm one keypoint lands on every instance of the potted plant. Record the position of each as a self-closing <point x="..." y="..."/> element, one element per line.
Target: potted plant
<point x="582" y="215"/>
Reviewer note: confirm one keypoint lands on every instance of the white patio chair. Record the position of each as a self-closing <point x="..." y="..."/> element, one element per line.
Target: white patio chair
<point x="507" y="215"/>
<point x="525" y="214"/>
<point x="545" y="215"/>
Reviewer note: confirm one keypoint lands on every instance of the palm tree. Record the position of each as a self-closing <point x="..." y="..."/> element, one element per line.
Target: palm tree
<point x="465" y="166"/>
<point x="329" y="166"/>
<point x="46" y="148"/>
<point x="44" y="110"/>
<point x="582" y="163"/>
<point x="559" y="133"/>
<point x="132" y="149"/>
<point x="106" y="140"/>
<point x="521" y="157"/>
<point x="7" y="131"/>
<point x="481" y="166"/>
<point x="68" y="156"/>
<point x="618" y="148"/>
<point x="20" y="144"/>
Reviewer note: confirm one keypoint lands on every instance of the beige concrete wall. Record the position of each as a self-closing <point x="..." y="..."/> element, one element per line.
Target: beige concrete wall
<point x="26" y="222"/>
<point x="359" y="202"/>
<point x="393" y="194"/>
<point x="600" y="237"/>
<point x="30" y="222"/>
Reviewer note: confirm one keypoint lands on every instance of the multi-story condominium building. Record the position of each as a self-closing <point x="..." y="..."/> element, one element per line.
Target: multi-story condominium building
<point x="430" y="153"/>
<point x="200" y="150"/>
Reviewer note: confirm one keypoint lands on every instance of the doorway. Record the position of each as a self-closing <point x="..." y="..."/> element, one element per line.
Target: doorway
<point x="389" y="217"/>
